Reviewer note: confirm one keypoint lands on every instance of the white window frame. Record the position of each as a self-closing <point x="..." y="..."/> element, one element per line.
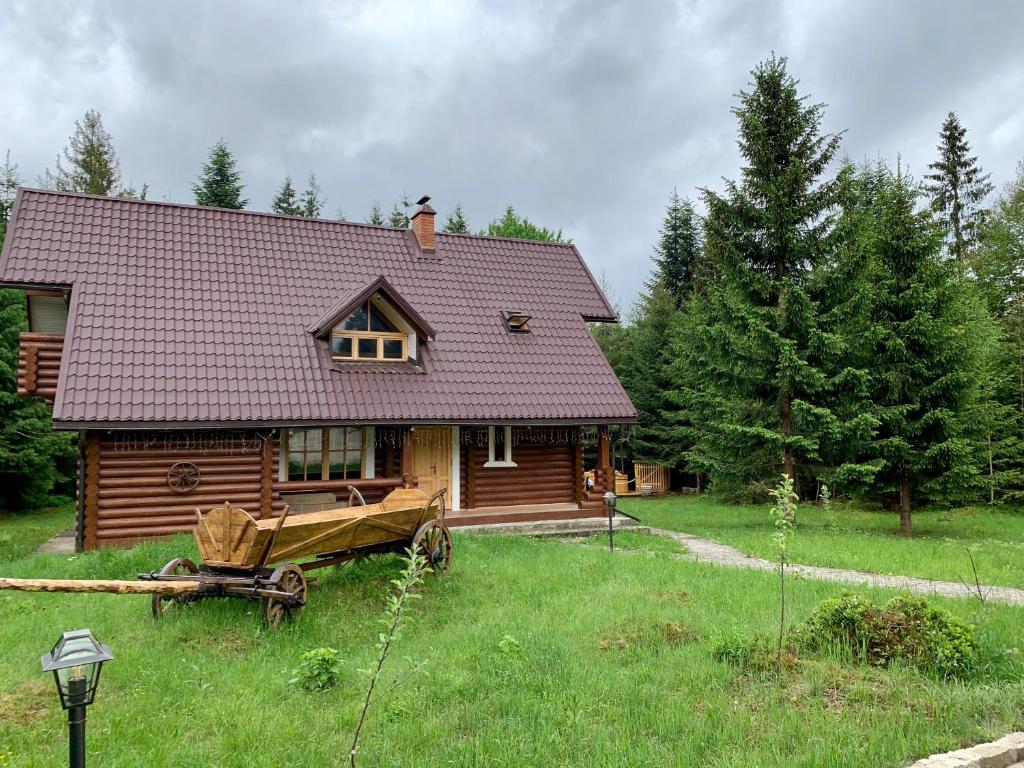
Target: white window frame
<point x="504" y="461"/>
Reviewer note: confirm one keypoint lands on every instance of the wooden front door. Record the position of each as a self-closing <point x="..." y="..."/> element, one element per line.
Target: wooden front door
<point x="432" y="459"/>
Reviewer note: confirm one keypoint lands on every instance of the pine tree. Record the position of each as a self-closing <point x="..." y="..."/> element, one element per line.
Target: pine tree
<point x="456" y="222"/>
<point x="921" y="343"/>
<point x="678" y="250"/>
<point x="286" y="201"/>
<point x="400" y="213"/>
<point x="376" y="215"/>
<point x="220" y="183"/>
<point x="91" y="166"/>
<point x="9" y="181"/>
<point x="312" y="202"/>
<point x="761" y="407"/>
<point x="512" y="224"/>
<point x="957" y="187"/>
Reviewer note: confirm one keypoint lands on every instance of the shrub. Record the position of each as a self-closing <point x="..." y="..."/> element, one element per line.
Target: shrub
<point x="907" y="629"/>
<point x="318" y="670"/>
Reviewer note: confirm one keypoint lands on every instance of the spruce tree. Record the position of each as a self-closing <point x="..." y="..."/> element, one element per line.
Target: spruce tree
<point x="456" y="222"/>
<point x="400" y="213"/>
<point x="761" y="405"/>
<point x="678" y="250"/>
<point x="312" y="202"/>
<point x="90" y="164"/>
<point x="957" y="187"/>
<point x="921" y="345"/>
<point x="286" y="200"/>
<point x="220" y="184"/>
<point x="512" y="224"/>
<point x="376" y="215"/>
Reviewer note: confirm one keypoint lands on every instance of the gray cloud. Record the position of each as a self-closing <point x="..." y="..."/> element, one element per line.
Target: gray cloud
<point x="584" y="115"/>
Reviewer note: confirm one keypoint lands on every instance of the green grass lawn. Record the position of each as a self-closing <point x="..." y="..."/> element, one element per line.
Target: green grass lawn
<point x="609" y="664"/>
<point x="21" y="533"/>
<point x="864" y="540"/>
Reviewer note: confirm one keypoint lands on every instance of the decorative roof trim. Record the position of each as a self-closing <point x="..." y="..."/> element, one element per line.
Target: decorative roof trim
<point x="341" y="310"/>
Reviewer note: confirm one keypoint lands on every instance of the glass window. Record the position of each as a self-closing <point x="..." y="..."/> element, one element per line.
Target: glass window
<point x="393" y="349"/>
<point x="499" y="447"/>
<point x="368" y="348"/>
<point x="380" y="323"/>
<point x="341" y="346"/>
<point x="331" y="453"/>
<point x="356" y="321"/>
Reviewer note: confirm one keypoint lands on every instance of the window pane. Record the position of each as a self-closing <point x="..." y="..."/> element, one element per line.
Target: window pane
<point x="356" y="321"/>
<point x="296" y="469"/>
<point x="336" y="468"/>
<point x="341" y="346"/>
<point x="499" y="443"/>
<point x="368" y="348"/>
<point x="393" y="349"/>
<point x="353" y="463"/>
<point x="380" y="323"/>
<point x="355" y="438"/>
<point x="337" y="439"/>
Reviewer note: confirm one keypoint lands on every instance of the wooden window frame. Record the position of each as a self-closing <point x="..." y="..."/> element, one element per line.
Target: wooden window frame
<point x="325" y="455"/>
<point x="355" y="336"/>
<point x="504" y="461"/>
<point x="380" y="336"/>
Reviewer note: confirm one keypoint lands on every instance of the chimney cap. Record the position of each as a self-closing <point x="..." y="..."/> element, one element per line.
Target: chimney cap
<point x="423" y="200"/>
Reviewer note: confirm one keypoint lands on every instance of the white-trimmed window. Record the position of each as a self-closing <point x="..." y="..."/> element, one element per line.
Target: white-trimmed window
<point x="323" y="453"/>
<point x="499" y="447"/>
<point x="368" y="334"/>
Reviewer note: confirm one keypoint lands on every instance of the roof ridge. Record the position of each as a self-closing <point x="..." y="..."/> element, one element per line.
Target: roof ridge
<point x="194" y="207"/>
<point x="505" y="239"/>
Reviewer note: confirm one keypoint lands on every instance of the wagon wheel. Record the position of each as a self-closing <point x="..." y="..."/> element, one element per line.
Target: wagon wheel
<point x="434" y="543"/>
<point x="179" y="566"/>
<point x="183" y="476"/>
<point x="287" y="578"/>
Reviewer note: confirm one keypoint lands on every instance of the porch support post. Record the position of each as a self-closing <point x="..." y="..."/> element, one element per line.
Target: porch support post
<point x="92" y="491"/>
<point x="454" y="493"/>
<point x="405" y="467"/>
<point x="605" y="480"/>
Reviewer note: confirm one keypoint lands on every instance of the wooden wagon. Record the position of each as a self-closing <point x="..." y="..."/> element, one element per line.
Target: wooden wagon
<point x="267" y="560"/>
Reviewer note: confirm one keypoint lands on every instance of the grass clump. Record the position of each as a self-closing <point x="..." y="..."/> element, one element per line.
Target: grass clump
<point x="639" y="542"/>
<point x="906" y="629"/>
<point x="318" y="670"/>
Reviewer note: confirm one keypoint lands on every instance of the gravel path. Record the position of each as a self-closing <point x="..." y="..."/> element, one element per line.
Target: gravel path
<point x="707" y="551"/>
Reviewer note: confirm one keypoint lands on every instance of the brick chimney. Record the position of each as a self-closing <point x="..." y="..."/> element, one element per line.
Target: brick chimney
<point x="423" y="224"/>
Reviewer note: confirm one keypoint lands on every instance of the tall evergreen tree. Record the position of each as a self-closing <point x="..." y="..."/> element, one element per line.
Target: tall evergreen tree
<point x="220" y="184"/>
<point x="9" y="181"/>
<point x="376" y="215"/>
<point x="400" y="213"/>
<point x="512" y="224"/>
<point x="90" y="163"/>
<point x="957" y="187"/>
<point x="921" y="342"/>
<point x="678" y="250"/>
<point x="312" y="202"/>
<point x="456" y="222"/>
<point x="286" y="200"/>
<point x="760" y="407"/>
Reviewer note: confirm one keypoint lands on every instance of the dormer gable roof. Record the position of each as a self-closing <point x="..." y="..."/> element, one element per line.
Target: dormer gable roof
<point x="344" y="307"/>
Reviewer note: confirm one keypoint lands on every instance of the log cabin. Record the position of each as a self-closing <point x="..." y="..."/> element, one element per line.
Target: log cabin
<point x="204" y="355"/>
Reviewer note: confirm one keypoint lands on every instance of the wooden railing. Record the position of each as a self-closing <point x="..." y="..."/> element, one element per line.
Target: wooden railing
<point x="39" y="364"/>
<point x="653" y="475"/>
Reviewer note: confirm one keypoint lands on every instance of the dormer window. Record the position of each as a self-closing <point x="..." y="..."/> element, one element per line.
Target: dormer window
<point x="516" y="321"/>
<point x="368" y="334"/>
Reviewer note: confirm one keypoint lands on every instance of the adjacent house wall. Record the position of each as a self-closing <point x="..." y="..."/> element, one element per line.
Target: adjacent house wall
<point x="545" y="473"/>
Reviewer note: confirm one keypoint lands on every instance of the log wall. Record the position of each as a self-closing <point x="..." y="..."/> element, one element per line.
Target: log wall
<point x="545" y="473"/>
<point x="39" y="364"/>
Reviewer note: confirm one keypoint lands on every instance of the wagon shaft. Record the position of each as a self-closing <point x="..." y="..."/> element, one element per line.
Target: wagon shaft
<point x="115" y="586"/>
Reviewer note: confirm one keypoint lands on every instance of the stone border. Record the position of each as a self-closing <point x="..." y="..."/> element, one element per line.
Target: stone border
<point x="1003" y="753"/>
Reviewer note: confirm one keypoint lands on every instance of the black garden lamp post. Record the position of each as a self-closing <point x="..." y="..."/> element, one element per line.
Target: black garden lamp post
<point x="609" y="502"/>
<point x="76" y="660"/>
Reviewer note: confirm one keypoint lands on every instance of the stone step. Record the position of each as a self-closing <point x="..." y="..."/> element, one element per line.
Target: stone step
<point x="561" y="528"/>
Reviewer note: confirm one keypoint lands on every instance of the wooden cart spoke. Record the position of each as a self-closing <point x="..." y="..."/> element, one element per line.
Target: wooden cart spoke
<point x="290" y="579"/>
<point x="179" y="566"/>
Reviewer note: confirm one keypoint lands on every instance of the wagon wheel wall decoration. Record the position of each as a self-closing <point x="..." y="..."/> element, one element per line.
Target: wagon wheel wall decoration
<point x="183" y="477"/>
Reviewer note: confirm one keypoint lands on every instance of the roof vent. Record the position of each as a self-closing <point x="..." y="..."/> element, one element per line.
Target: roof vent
<point x="516" y="321"/>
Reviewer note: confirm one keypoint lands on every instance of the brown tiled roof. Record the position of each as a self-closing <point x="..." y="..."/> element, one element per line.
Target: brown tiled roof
<point x="189" y="315"/>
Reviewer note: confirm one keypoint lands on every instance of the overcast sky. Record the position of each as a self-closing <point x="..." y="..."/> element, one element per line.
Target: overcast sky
<point x="583" y="115"/>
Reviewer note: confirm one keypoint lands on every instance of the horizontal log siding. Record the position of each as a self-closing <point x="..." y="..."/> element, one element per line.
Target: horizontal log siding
<point x="133" y="501"/>
<point x="545" y="474"/>
<point x="39" y="364"/>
